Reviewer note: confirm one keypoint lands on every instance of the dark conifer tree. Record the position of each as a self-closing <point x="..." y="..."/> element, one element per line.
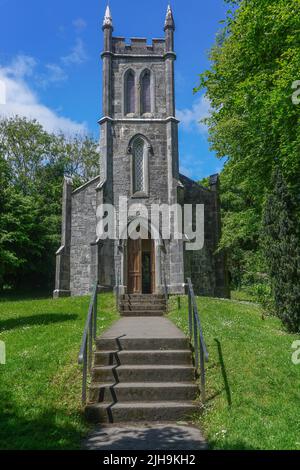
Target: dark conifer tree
<point x="281" y="242"/>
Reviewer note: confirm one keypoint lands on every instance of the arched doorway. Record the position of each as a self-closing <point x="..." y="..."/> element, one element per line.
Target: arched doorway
<point x="141" y="266"/>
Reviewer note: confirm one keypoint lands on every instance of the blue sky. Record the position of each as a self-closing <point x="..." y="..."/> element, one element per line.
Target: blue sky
<point x="50" y="62"/>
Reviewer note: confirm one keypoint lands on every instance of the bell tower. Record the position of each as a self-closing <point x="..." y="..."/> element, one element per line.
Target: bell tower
<point x="139" y="136"/>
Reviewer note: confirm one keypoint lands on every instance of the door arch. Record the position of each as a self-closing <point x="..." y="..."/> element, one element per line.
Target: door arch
<point x="141" y="258"/>
<point x="141" y="266"/>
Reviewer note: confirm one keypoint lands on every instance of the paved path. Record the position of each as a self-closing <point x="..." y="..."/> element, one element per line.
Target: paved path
<point x="143" y="327"/>
<point x="145" y="437"/>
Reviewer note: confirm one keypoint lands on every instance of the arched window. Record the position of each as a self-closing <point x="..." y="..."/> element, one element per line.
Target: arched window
<point x="146" y="92"/>
<point x="138" y="165"/>
<point x="129" y="92"/>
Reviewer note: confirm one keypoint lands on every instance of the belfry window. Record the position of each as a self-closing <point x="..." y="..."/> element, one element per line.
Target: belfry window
<point x="129" y="93"/>
<point x="138" y="166"/>
<point x="146" y="92"/>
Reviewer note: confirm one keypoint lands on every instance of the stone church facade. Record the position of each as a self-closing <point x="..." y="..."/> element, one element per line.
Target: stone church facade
<point x="138" y="160"/>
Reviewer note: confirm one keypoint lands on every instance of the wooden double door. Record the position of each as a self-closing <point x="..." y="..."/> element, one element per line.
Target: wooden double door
<point x="141" y="267"/>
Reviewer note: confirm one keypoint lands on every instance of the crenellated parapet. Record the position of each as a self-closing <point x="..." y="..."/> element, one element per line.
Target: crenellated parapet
<point x="138" y="46"/>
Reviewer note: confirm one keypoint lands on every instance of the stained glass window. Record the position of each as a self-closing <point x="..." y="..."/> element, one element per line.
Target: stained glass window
<point x="138" y="166"/>
<point x="130" y="93"/>
<point x="145" y="93"/>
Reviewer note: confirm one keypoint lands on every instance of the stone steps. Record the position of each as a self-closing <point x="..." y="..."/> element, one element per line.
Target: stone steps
<point x="167" y="357"/>
<point x="141" y="344"/>
<point x="143" y="296"/>
<point x="146" y="411"/>
<point x="142" y="371"/>
<point x="142" y="313"/>
<point x="142" y="392"/>
<point x="142" y="305"/>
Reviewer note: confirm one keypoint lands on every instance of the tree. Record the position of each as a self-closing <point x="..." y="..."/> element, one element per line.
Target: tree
<point x="32" y="166"/>
<point x="254" y="123"/>
<point x="281" y="242"/>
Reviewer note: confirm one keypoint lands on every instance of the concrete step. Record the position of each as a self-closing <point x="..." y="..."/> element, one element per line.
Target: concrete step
<point x="143" y="392"/>
<point x="168" y="357"/>
<point x="142" y="313"/>
<point x="143" y="373"/>
<point x="140" y="344"/>
<point x="145" y="411"/>
<point x="143" y="296"/>
<point x="142" y="306"/>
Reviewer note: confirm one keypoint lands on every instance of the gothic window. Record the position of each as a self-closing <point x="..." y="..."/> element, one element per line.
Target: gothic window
<point x="138" y="166"/>
<point x="146" y="92"/>
<point x="129" y="92"/>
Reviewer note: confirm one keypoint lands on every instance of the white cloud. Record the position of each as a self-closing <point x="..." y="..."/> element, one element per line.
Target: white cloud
<point x="190" y="118"/>
<point x="54" y="74"/>
<point x="77" y="55"/>
<point x="79" y="24"/>
<point x="21" y="66"/>
<point x="21" y="100"/>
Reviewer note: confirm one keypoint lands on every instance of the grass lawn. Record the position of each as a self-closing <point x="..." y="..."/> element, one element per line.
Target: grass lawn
<point x="253" y="388"/>
<point x="40" y="385"/>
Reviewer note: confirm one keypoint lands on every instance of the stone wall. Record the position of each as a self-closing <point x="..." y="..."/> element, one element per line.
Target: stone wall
<point x="82" y="264"/>
<point x="206" y="268"/>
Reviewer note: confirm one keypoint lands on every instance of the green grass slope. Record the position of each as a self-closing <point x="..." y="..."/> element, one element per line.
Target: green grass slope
<point x="253" y="387"/>
<point x="40" y="385"/>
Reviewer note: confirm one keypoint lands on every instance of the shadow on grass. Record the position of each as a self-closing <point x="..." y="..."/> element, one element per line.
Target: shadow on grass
<point x="224" y="373"/>
<point x="39" y="319"/>
<point x="49" y="429"/>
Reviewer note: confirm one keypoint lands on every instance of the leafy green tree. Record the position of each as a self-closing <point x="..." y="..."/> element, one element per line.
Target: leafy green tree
<point x="254" y="123"/>
<point x="32" y="166"/>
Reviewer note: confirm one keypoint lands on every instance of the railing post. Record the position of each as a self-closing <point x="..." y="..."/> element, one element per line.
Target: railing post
<point x="118" y="280"/>
<point x="196" y="349"/>
<point x="90" y="333"/>
<point x="95" y="313"/>
<point x="200" y="349"/>
<point x="202" y="372"/>
<point x="190" y="314"/>
<point x="84" y="375"/>
<point x="90" y="340"/>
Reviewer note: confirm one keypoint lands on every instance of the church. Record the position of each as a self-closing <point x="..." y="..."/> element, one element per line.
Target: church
<point x="139" y="160"/>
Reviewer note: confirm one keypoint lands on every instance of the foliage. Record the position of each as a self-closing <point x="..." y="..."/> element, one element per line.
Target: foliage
<point x="281" y="242"/>
<point x="254" y="123"/>
<point x="40" y="385"/>
<point x="252" y="383"/>
<point x="32" y="166"/>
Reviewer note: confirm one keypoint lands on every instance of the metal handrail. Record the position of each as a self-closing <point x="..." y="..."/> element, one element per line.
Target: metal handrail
<point x="197" y="338"/>
<point x="166" y="290"/>
<point x="117" y="289"/>
<point x="89" y="335"/>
